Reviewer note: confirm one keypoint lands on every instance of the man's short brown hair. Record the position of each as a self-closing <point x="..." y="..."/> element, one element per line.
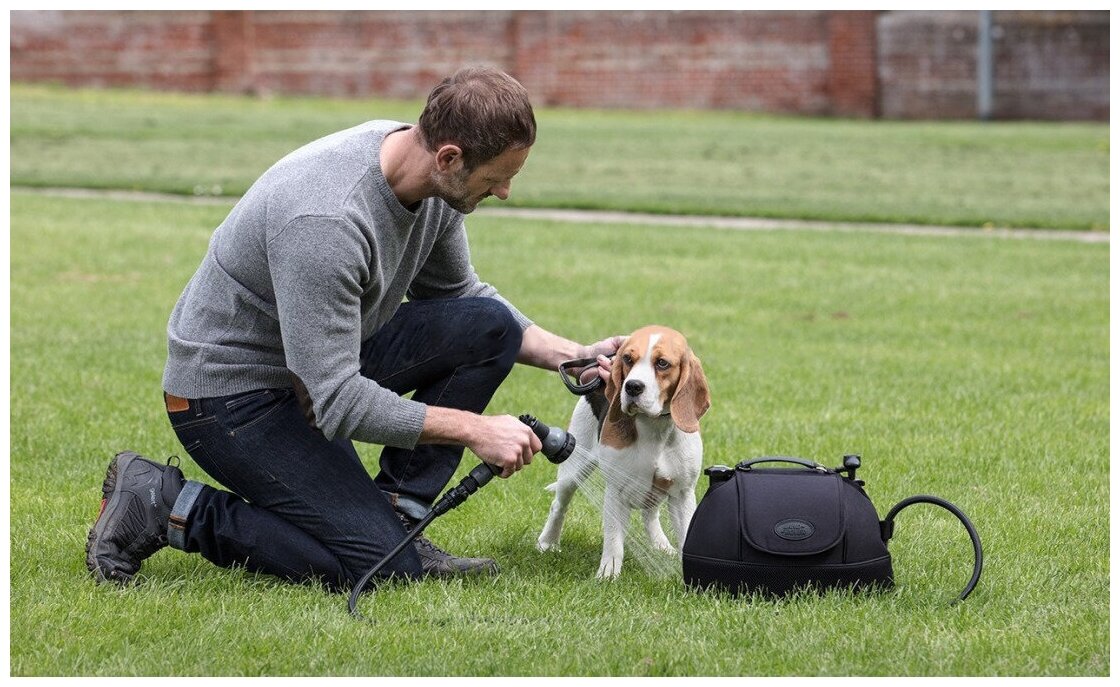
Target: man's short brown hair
<point x="482" y="110"/>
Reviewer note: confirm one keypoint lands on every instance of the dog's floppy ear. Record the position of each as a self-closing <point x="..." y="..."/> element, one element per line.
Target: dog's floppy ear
<point x="692" y="398"/>
<point x="613" y="390"/>
<point x="618" y="428"/>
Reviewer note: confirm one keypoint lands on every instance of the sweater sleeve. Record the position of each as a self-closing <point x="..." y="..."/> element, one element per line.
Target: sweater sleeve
<point x="318" y="266"/>
<point x="448" y="272"/>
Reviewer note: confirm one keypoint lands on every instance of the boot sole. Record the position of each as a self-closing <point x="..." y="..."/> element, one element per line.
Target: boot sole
<point x="481" y="571"/>
<point x="490" y="569"/>
<point x="110" y="499"/>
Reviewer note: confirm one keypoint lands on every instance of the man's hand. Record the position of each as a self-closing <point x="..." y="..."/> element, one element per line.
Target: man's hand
<point x="543" y="349"/>
<point x="500" y="440"/>
<point x="600" y="351"/>
<point x="504" y="442"/>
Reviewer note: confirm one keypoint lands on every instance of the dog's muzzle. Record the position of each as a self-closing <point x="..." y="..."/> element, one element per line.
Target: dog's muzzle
<point x="638" y="398"/>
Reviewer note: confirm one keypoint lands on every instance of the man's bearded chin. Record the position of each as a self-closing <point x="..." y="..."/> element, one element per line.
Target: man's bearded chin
<point x="451" y="189"/>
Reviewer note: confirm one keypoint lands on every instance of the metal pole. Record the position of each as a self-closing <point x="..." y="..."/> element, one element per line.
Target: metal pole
<point x="984" y="70"/>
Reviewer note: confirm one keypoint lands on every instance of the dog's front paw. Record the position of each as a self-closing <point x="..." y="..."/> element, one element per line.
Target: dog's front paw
<point x="547" y="543"/>
<point x="549" y="538"/>
<point x="609" y="567"/>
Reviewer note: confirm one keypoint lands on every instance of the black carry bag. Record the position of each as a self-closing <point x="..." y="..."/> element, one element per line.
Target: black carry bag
<point x="775" y="530"/>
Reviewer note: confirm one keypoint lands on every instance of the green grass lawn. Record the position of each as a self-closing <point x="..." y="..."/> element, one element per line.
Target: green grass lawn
<point x="959" y="173"/>
<point x="973" y="368"/>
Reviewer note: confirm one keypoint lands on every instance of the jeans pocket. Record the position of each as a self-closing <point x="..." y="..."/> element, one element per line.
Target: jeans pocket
<point x="244" y="410"/>
<point x="188" y="419"/>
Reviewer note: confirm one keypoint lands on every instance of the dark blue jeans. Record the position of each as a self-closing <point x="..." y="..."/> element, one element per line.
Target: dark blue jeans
<point x="304" y="508"/>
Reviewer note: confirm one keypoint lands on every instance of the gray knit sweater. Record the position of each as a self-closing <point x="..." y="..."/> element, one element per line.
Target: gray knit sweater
<point x="317" y="256"/>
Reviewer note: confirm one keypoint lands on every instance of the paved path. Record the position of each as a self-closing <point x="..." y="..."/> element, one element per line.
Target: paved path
<point x="609" y="217"/>
<point x="758" y="223"/>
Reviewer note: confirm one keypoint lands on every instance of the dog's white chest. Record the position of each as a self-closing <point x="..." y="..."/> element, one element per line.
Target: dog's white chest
<point x="662" y="461"/>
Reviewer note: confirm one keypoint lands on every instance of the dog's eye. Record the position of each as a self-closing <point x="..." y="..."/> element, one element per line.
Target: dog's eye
<point x="627" y="359"/>
<point x="663" y="364"/>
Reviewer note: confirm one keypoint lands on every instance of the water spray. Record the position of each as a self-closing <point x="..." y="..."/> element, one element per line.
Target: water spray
<point x="556" y="446"/>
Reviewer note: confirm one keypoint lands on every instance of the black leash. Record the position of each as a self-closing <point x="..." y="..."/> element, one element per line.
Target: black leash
<point x="574" y="369"/>
<point x="978" y="554"/>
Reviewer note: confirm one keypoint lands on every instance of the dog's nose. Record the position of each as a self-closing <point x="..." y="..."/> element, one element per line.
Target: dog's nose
<point x="635" y="387"/>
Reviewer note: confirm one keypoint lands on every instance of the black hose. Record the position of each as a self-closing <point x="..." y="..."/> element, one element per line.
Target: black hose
<point x="556" y="445"/>
<point x="357" y="589"/>
<point x="977" y="551"/>
<point x="477" y="478"/>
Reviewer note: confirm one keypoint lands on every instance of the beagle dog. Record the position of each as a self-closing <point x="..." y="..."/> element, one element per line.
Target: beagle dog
<point x="643" y="431"/>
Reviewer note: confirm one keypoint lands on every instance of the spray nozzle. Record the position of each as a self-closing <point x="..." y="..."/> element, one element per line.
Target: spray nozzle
<point x="556" y="444"/>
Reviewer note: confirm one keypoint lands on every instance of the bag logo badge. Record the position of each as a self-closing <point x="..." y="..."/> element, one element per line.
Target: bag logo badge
<point x="794" y="529"/>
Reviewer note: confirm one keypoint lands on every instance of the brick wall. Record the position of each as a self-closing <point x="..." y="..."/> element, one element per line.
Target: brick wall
<point x="164" y="50"/>
<point x="1047" y="65"/>
<point x="853" y="63"/>
<point x="1051" y="64"/>
<point x="763" y="61"/>
<point x="354" y="53"/>
<point x="863" y="64"/>
<point x="768" y="61"/>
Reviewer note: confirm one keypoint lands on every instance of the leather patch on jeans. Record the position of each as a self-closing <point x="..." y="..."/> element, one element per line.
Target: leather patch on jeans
<point x="176" y="404"/>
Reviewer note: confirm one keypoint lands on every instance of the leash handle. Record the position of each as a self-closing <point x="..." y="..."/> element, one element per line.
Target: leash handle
<point x="978" y="553"/>
<point x="574" y="369"/>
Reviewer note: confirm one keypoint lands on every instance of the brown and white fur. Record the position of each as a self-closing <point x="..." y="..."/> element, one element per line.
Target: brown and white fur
<point x="643" y="431"/>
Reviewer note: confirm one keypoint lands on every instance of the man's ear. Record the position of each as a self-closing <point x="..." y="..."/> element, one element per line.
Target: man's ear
<point x="449" y="158"/>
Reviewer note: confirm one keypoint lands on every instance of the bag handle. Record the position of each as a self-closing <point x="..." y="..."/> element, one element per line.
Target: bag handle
<point x="887" y="527"/>
<point x="746" y="465"/>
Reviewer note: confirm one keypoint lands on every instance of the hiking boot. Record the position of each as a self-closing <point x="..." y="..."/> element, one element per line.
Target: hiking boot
<point x="137" y="498"/>
<point x="439" y="563"/>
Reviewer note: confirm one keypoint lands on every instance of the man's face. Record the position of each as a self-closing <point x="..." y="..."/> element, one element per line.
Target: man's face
<point x="463" y="191"/>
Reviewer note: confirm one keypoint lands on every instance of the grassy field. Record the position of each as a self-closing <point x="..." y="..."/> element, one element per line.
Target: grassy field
<point x="962" y="173"/>
<point x="973" y="368"/>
